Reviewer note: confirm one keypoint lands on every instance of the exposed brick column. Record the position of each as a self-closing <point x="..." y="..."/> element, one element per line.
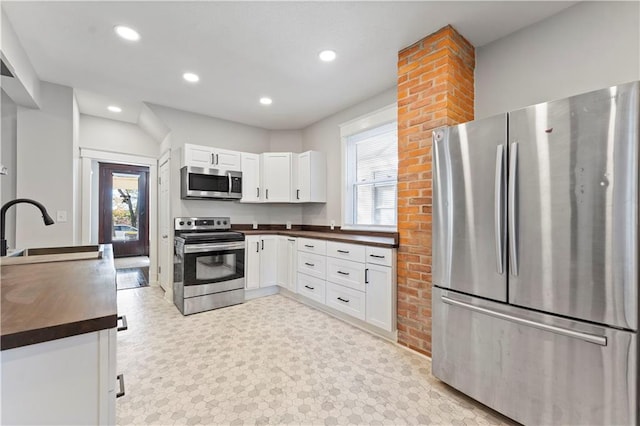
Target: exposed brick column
<point x="435" y="88"/>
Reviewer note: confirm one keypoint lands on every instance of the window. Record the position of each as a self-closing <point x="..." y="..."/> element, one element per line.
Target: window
<point x="371" y="171"/>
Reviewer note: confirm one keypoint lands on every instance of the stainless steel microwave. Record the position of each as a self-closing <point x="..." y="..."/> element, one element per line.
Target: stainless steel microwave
<point x="198" y="183"/>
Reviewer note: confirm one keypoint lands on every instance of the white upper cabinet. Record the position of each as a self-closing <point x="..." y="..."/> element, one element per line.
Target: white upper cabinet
<point x="276" y="177"/>
<point x="309" y="178"/>
<point x="251" y="190"/>
<point x="208" y="157"/>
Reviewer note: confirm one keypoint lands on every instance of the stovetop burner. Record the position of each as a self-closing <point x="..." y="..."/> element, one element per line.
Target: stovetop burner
<point x="193" y="230"/>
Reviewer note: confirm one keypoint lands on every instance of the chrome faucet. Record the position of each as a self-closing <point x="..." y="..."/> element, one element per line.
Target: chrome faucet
<point x="3" y="212"/>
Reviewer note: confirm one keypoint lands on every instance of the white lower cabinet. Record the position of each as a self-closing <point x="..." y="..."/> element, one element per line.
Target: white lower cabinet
<point x="287" y="263"/>
<point x="346" y="300"/>
<point x="381" y="296"/>
<point x="65" y="381"/>
<point x="311" y="287"/>
<point x="354" y="279"/>
<point x="260" y="261"/>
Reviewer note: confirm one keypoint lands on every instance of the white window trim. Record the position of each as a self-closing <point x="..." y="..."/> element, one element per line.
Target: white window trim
<point x="360" y="124"/>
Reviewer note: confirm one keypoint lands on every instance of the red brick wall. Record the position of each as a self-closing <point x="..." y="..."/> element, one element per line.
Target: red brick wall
<point x="435" y="88"/>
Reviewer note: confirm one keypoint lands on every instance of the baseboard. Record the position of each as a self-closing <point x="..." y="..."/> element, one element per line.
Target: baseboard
<point x="260" y="292"/>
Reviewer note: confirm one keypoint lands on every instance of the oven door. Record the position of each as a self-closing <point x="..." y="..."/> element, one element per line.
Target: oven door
<point x="213" y="267"/>
<point x="199" y="183"/>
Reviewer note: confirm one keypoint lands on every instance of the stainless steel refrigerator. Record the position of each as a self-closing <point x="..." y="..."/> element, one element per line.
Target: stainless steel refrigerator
<point x="535" y="259"/>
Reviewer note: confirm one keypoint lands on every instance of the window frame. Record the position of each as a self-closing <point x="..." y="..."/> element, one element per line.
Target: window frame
<point x="377" y="118"/>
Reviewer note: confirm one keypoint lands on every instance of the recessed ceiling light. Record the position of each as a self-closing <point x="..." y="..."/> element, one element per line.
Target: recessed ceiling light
<point x="266" y="101"/>
<point x="127" y="33"/>
<point x="191" y="77"/>
<point x="114" y="108"/>
<point x="327" y="55"/>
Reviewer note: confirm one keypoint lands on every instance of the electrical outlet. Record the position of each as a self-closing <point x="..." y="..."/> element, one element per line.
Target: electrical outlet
<point x="333" y="224"/>
<point x="61" y="216"/>
<point x="255" y="225"/>
<point x="288" y="225"/>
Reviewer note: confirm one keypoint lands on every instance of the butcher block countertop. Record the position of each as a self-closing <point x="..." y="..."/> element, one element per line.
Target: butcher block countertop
<point x="53" y="300"/>
<point x="341" y="237"/>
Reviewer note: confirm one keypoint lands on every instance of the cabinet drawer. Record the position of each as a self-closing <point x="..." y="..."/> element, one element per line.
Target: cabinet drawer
<point x="380" y="256"/>
<point x="312" y="246"/>
<point x="347" y="300"/>
<point x="346" y="272"/>
<point x="311" y="287"/>
<point x="346" y="251"/>
<point x="312" y="264"/>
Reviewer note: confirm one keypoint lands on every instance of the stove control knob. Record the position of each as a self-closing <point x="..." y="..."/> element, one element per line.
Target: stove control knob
<point x="181" y="223"/>
<point x="218" y="222"/>
<point x="224" y="223"/>
<point x="189" y="223"/>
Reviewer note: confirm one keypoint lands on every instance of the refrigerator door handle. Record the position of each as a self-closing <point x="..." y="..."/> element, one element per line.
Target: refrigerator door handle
<point x="498" y="209"/>
<point x="590" y="338"/>
<point x="513" y="244"/>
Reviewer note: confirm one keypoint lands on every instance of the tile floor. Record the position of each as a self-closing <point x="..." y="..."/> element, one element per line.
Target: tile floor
<point x="272" y="361"/>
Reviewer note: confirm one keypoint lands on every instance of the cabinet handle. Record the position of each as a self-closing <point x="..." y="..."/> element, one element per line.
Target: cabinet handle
<point x="120" y="378"/>
<point x="297" y="194"/>
<point x="343" y="251"/>
<point x="213" y="159"/>
<point x="375" y="255"/>
<point x="267" y="193"/>
<point x="309" y="264"/>
<point x="258" y="192"/>
<point x="124" y="323"/>
<point x="291" y="239"/>
<point x="343" y="300"/>
<point x="343" y="273"/>
<point x="366" y="276"/>
<point x="310" y="288"/>
<point x="217" y="160"/>
<point x="257" y="246"/>
<point x="307" y="245"/>
<point x="262" y="244"/>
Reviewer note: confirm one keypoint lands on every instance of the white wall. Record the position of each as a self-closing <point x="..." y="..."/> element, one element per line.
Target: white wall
<point x="324" y="136"/>
<point x="116" y="136"/>
<point x="187" y="127"/>
<point x="45" y="169"/>
<point x="586" y="47"/>
<point x="8" y="159"/>
<point x="285" y="141"/>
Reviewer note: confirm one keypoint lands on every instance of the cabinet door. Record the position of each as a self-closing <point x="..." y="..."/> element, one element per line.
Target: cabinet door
<point x="198" y="156"/>
<point x="379" y="289"/>
<point x="283" y="264"/>
<point x="268" y="260"/>
<point x="252" y="262"/>
<point x="292" y="263"/>
<point x="276" y="176"/>
<point x="310" y="178"/>
<point x="227" y="160"/>
<point x="250" y="178"/>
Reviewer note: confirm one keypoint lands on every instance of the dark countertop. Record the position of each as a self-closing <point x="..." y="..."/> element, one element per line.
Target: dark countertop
<point x="49" y="301"/>
<point x="341" y="237"/>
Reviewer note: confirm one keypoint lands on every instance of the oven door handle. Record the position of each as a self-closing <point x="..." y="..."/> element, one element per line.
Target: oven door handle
<point x="213" y="247"/>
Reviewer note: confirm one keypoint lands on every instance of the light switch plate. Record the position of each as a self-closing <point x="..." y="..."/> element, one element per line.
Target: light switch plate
<point x="61" y="216"/>
<point x="255" y="225"/>
<point x="333" y="224"/>
<point x="288" y="225"/>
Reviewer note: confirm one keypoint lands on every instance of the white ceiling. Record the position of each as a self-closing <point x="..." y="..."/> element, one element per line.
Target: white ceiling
<point x="245" y="50"/>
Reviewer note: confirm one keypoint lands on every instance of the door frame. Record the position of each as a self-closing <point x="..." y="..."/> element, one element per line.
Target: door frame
<point x="87" y="157"/>
<point x="105" y="219"/>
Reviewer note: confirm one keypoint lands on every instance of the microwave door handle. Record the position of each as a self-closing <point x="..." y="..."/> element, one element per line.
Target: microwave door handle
<point x="229" y="176"/>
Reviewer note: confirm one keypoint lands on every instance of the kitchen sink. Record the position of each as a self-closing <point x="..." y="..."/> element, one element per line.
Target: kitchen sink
<point x="52" y="254"/>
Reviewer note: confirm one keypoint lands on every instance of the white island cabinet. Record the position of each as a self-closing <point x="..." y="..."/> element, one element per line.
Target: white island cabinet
<point x="69" y="381"/>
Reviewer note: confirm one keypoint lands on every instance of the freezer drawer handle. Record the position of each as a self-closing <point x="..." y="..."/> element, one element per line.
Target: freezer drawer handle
<point x="343" y="300"/>
<point x="513" y="244"/>
<point x="497" y="207"/>
<point x="124" y="323"/>
<point x="590" y="338"/>
<point x="343" y="273"/>
<point x="120" y="378"/>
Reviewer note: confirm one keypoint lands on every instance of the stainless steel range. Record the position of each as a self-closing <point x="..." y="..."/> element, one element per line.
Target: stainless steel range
<point x="208" y="265"/>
